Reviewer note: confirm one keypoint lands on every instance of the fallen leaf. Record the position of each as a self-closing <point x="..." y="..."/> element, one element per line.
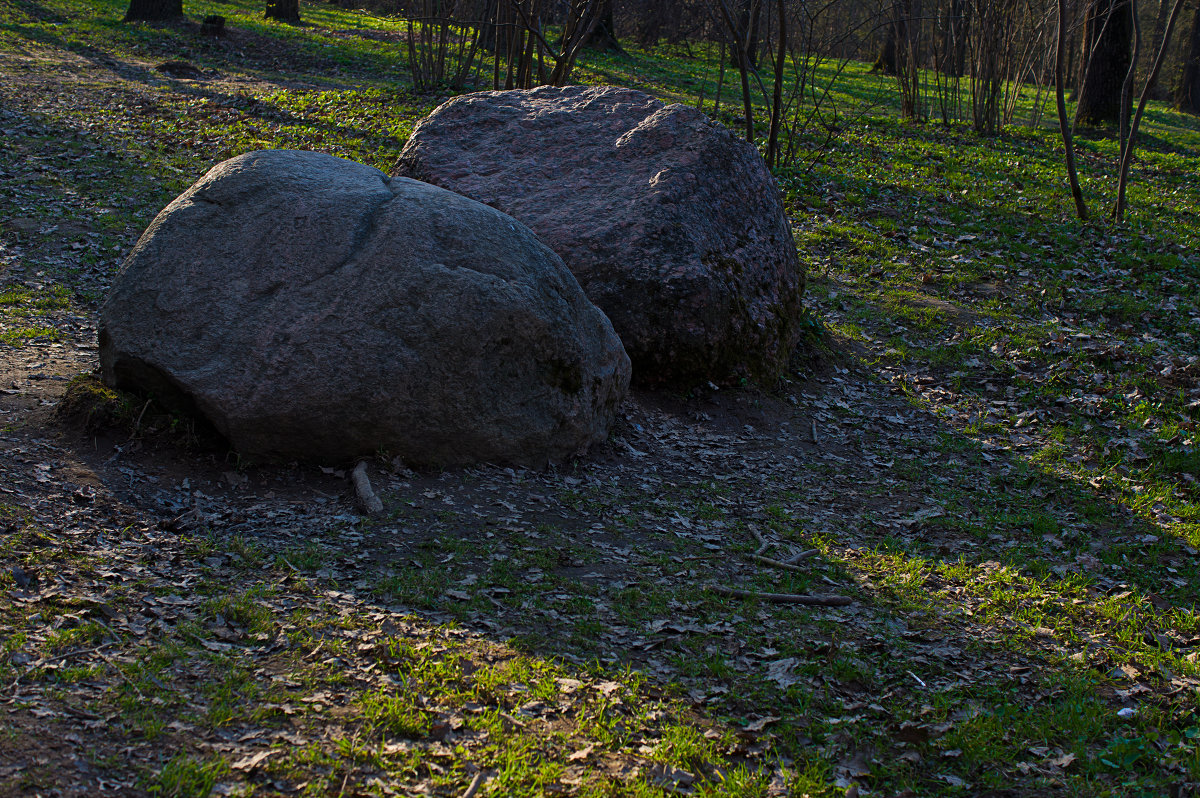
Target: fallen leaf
<point x="1160" y="603"/>
<point x="1063" y="761"/>
<point x="911" y="732"/>
<point x="253" y="761"/>
<point x="780" y="672"/>
<point x="761" y="723"/>
<point x="581" y="754"/>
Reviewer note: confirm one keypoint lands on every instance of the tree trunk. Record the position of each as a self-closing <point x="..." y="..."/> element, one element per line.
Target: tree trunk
<point x="1160" y="22"/>
<point x="498" y="27"/>
<point x="896" y="37"/>
<point x="1131" y="140"/>
<point x="283" y="10"/>
<point x="1108" y="40"/>
<point x="1063" y="126"/>
<point x="1187" y="96"/>
<point x="153" y="10"/>
<point x="886" y="61"/>
<point x="649" y="27"/>
<point x="777" y="99"/>
<point x="747" y="34"/>
<point x="604" y="35"/>
<point x="739" y="56"/>
<point x="954" y="40"/>
<point x="900" y="55"/>
<point x="752" y="37"/>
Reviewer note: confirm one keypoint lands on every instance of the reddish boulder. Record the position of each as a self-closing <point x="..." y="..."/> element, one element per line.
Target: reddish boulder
<point x="673" y="226"/>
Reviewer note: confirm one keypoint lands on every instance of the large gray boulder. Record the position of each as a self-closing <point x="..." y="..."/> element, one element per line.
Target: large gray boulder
<point x="672" y="225"/>
<point x="314" y="308"/>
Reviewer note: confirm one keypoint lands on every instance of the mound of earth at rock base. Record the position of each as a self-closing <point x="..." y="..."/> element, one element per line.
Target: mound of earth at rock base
<point x="314" y="308"/>
<point x="672" y="225"/>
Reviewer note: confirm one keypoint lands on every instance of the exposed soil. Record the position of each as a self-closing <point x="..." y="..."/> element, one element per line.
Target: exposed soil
<point x="125" y="509"/>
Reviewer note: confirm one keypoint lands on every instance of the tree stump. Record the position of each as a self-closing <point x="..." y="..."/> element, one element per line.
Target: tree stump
<point x="283" y="10"/>
<point x="213" y="25"/>
<point x="153" y="10"/>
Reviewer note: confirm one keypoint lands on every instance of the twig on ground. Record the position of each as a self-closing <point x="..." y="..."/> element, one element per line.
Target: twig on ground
<point x="801" y="555"/>
<point x="113" y="664"/>
<point x="48" y="660"/>
<point x="514" y="721"/>
<point x="763" y="545"/>
<point x="474" y="786"/>
<point x="784" y="598"/>
<point x="117" y="670"/>
<point x="79" y="713"/>
<point x="137" y="425"/>
<point x="107" y="628"/>
<point x="370" y="503"/>
<point x="776" y="563"/>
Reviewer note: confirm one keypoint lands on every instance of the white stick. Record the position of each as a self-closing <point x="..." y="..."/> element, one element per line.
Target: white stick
<point x="362" y="488"/>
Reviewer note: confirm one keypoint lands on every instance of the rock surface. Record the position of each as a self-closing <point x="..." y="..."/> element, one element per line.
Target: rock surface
<point x="314" y="308"/>
<point x="671" y="224"/>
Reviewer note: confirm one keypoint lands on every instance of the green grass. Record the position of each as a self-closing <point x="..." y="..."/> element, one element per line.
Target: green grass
<point x="23" y="310"/>
<point x="995" y="638"/>
<point x="186" y="777"/>
<point x="395" y="715"/>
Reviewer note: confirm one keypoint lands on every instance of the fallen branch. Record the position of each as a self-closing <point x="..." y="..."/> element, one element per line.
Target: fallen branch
<point x="47" y="660"/>
<point x="801" y="555"/>
<point x="763" y="545"/>
<point x="514" y="721"/>
<point x="787" y="566"/>
<point x="371" y="504"/>
<point x="117" y="669"/>
<point x="784" y="598"/>
<point x="476" y="783"/>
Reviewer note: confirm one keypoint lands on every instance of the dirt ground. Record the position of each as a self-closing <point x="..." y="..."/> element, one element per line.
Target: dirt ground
<point x="179" y="621"/>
